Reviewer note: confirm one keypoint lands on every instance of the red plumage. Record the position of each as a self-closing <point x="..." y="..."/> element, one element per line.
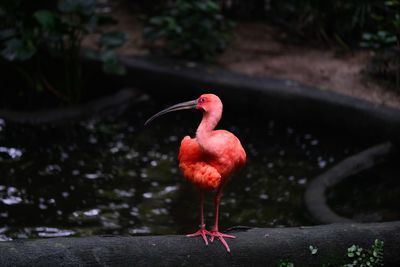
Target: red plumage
<point x="209" y="169"/>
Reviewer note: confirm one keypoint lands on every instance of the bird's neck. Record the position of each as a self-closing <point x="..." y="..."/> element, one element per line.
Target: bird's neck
<point x="207" y="125"/>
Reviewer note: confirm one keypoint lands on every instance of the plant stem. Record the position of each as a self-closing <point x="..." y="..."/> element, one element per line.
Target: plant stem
<point x="48" y="86"/>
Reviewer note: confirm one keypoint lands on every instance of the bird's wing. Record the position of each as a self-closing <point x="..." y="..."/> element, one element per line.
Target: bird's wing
<point x="194" y="168"/>
<point x="189" y="150"/>
<point x="230" y="147"/>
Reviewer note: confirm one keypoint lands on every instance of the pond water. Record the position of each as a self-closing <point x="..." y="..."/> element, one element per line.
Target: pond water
<point x="114" y="176"/>
<point x="371" y="195"/>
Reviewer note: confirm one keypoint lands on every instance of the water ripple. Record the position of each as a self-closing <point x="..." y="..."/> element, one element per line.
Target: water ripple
<point x="11" y="151"/>
<point x="53" y="232"/>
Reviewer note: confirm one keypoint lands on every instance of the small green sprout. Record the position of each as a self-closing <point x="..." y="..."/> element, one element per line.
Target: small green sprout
<point x="313" y="250"/>
<point x="371" y="257"/>
<point x="285" y="263"/>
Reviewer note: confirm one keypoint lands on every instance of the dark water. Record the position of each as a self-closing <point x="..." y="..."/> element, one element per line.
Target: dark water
<point x="113" y="176"/>
<point x="369" y="196"/>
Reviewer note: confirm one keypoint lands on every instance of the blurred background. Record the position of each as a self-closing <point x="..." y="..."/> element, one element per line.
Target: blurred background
<point x="106" y="174"/>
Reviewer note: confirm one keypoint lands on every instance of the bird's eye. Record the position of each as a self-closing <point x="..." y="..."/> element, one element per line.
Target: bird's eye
<point x="202" y="100"/>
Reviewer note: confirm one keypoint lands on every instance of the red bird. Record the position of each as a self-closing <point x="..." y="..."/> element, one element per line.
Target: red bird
<point x="209" y="159"/>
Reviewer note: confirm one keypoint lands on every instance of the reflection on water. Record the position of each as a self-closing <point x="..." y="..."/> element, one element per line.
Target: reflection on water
<point x="11" y="151"/>
<point x="112" y="176"/>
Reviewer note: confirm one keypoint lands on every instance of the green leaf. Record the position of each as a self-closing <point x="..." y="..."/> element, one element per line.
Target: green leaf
<point x="46" y="18"/>
<point x="2" y="12"/>
<point x="313" y="250"/>
<point x="156" y="20"/>
<point x="113" y="39"/>
<point x="113" y="66"/>
<point x="94" y="55"/>
<point x="18" y="50"/>
<point x="352" y="248"/>
<point x="391" y="39"/>
<point x="107" y="54"/>
<point x="285" y="263"/>
<point x="213" y="6"/>
<point x="201" y="5"/>
<point x="91" y="24"/>
<point x="391" y="3"/>
<point x="382" y="34"/>
<point x="84" y="7"/>
<point x="367" y="36"/>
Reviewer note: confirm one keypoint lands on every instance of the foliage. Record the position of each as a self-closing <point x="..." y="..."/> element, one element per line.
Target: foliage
<point x="385" y="41"/>
<point x="372" y="257"/>
<point x="190" y="29"/>
<point x="348" y="23"/>
<point x="342" y="22"/>
<point x="42" y="41"/>
<point x="387" y="18"/>
<point x="366" y="258"/>
<point x="107" y="43"/>
<point x="331" y="21"/>
<point x="285" y="263"/>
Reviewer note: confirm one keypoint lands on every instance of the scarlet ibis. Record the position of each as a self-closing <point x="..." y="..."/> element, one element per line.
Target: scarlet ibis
<point x="209" y="159"/>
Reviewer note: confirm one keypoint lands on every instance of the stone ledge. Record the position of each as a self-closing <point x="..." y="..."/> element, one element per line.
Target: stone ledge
<point x="252" y="247"/>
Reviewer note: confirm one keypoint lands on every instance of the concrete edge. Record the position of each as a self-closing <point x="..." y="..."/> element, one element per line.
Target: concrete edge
<point x="315" y="197"/>
<point x="252" y="247"/>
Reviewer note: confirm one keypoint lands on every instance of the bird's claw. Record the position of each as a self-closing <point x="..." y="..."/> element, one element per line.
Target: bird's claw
<point x="221" y="237"/>
<point x="203" y="233"/>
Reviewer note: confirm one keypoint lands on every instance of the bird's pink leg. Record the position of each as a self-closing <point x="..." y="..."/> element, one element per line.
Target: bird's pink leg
<point x="202" y="231"/>
<point x="215" y="231"/>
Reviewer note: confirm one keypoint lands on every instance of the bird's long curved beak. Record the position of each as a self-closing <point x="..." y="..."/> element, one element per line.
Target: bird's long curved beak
<point x="185" y="105"/>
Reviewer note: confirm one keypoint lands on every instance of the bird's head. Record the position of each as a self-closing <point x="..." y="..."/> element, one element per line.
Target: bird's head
<point x="206" y="102"/>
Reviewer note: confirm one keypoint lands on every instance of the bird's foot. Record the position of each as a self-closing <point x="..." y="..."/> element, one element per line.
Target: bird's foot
<point x="203" y="233"/>
<point x="221" y="237"/>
